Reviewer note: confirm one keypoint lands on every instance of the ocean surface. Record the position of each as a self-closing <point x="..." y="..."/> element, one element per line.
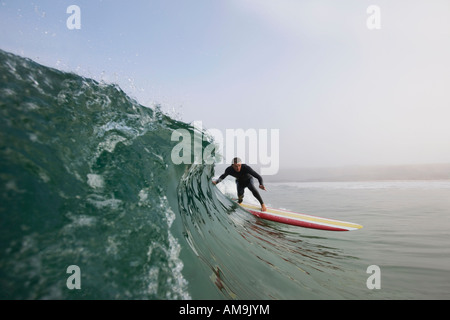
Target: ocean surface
<point x="87" y="180"/>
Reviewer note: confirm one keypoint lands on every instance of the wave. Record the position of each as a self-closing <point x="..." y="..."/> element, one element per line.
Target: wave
<point x="87" y="180"/>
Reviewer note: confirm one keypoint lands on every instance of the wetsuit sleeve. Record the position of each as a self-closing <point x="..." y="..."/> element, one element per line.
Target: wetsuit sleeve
<point x="256" y="175"/>
<point x="223" y="176"/>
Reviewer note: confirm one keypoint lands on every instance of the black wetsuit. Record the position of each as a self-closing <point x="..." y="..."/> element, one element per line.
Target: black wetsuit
<point x="244" y="180"/>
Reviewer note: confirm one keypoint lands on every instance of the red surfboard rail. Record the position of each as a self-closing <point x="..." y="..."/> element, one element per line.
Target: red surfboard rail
<point x="301" y="220"/>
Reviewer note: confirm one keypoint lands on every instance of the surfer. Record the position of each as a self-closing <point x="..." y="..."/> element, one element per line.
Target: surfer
<point x="243" y="174"/>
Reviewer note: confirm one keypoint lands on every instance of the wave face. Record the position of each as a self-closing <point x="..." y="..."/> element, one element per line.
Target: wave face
<point x="87" y="180"/>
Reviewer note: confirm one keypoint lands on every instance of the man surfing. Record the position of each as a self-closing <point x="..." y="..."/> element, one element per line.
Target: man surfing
<point x="243" y="174"/>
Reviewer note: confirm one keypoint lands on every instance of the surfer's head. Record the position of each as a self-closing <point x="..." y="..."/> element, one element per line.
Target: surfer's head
<point x="236" y="164"/>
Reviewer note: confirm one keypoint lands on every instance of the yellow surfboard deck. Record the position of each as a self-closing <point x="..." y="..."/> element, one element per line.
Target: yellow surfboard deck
<point x="300" y="219"/>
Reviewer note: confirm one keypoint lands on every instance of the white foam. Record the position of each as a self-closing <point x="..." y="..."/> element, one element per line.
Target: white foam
<point x="143" y="196"/>
<point x="95" y="181"/>
<point x="100" y="202"/>
<point x="177" y="282"/>
<point x="110" y="143"/>
<point x="78" y="221"/>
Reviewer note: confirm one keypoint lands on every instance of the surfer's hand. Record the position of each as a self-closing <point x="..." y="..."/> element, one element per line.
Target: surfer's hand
<point x="262" y="187"/>
<point x="214" y="182"/>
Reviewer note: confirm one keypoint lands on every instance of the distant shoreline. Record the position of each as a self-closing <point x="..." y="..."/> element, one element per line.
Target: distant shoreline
<point x="363" y="173"/>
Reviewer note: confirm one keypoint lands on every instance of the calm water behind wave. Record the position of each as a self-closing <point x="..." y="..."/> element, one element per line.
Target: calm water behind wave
<point x="406" y="231"/>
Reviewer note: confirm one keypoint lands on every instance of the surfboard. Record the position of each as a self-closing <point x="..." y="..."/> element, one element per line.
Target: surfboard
<point x="300" y="219"/>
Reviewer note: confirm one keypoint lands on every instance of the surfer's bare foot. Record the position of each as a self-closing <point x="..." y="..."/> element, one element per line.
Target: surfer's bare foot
<point x="263" y="207"/>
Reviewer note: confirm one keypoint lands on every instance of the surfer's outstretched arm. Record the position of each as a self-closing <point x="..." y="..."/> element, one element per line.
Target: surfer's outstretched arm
<point x="223" y="176"/>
